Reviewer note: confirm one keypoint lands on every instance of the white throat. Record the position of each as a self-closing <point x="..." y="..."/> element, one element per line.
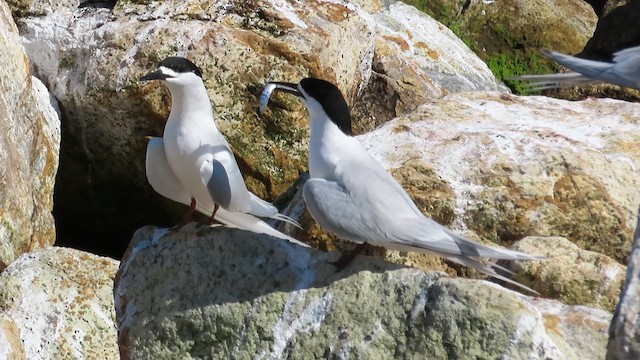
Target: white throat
<point x="327" y="144"/>
<point x="190" y="101"/>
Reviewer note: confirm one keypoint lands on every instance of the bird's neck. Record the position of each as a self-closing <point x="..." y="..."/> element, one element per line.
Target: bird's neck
<point x="326" y="145"/>
<point x="190" y="102"/>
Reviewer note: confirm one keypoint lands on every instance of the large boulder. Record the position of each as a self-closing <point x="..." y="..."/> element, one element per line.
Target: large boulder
<point x="29" y="147"/>
<point x="508" y="34"/>
<point x="416" y="59"/>
<point x="624" y="333"/>
<point x="59" y="302"/>
<point x="92" y="60"/>
<point x="228" y="293"/>
<point x="574" y="276"/>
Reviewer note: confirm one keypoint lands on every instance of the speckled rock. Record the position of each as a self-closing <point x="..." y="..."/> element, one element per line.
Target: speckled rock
<point x="416" y="59"/>
<point x="508" y="34"/>
<point x="232" y="294"/>
<point x="616" y="31"/>
<point x="572" y="275"/>
<point x="499" y="167"/>
<point x="520" y="166"/>
<point x="11" y="347"/>
<point x="61" y="303"/>
<point x="624" y="333"/>
<point x="29" y="146"/>
<point x="92" y="60"/>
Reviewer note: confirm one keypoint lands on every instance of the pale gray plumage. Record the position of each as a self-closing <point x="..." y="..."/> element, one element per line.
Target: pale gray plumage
<point x="163" y="180"/>
<point x="197" y="153"/>
<point x="624" y="70"/>
<point x="350" y="194"/>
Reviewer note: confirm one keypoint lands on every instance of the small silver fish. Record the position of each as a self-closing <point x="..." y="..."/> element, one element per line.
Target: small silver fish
<point x="264" y="97"/>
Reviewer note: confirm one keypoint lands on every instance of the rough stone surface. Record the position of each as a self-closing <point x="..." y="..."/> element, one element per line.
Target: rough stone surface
<point x="416" y="59"/>
<point x="11" y="347"/>
<point x="92" y="60"/>
<point x="62" y="304"/>
<point x="624" y="333"/>
<point x="499" y="167"/>
<point x="520" y="166"/>
<point x="227" y="293"/>
<point x="572" y="275"/>
<point x="616" y="30"/>
<point x="29" y="146"/>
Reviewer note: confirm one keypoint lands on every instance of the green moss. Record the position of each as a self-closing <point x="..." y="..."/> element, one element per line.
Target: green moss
<point x="507" y="50"/>
<point x="507" y="64"/>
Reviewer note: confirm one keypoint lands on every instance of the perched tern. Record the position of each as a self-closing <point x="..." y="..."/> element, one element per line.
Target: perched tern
<point x="193" y="164"/>
<point x="351" y="195"/>
<point x="623" y="71"/>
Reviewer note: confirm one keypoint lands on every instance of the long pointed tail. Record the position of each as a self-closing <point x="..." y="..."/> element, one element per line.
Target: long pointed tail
<point x="250" y="223"/>
<point x="489" y="269"/>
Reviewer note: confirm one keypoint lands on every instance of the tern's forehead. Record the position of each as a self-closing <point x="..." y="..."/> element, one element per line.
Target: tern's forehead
<point x="168" y="71"/>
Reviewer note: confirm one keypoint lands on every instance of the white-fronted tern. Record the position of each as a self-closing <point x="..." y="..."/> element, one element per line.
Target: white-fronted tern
<point x="193" y="163"/>
<point x="351" y="195"/>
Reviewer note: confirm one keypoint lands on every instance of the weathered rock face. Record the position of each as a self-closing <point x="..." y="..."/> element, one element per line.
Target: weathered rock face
<point x="624" y="333"/>
<point x="574" y="276"/>
<point x="416" y="59"/>
<point x="521" y="166"/>
<point x="92" y="60"/>
<point x="11" y="347"/>
<point x="499" y="167"/>
<point x="508" y="34"/>
<point x="61" y="303"/>
<point x="232" y="294"/>
<point x="29" y="146"/>
<point x="617" y="30"/>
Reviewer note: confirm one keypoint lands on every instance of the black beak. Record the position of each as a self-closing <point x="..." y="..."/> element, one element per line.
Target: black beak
<point x="155" y="75"/>
<point x="289" y="88"/>
<point x="277" y="86"/>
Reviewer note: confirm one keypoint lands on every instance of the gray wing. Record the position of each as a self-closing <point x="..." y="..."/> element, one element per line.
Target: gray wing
<point x="627" y="66"/>
<point x="224" y="182"/>
<point x="335" y="211"/>
<point x="366" y="204"/>
<point x="159" y="173"/>
<point x="625" y="71"/>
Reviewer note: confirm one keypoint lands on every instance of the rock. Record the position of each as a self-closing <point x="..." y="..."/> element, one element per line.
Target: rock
<point x="93" y="66"/>
<point x="416" y="59"/>
<point x="572" y="275"/>
<point x="498" y="167"/>
<point x="624" y="333"/>
<point x="61" y="302"/>
<point x="92" y="60"/>
<point x="25" y="8"/>
<point x="508" y="34"/>
<point x="29" y="146"/>
<point x="228" y="293"/>
<point x="520" y="166"/>
<point x="616" y="31"/>
<point x="10" y="346"/>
